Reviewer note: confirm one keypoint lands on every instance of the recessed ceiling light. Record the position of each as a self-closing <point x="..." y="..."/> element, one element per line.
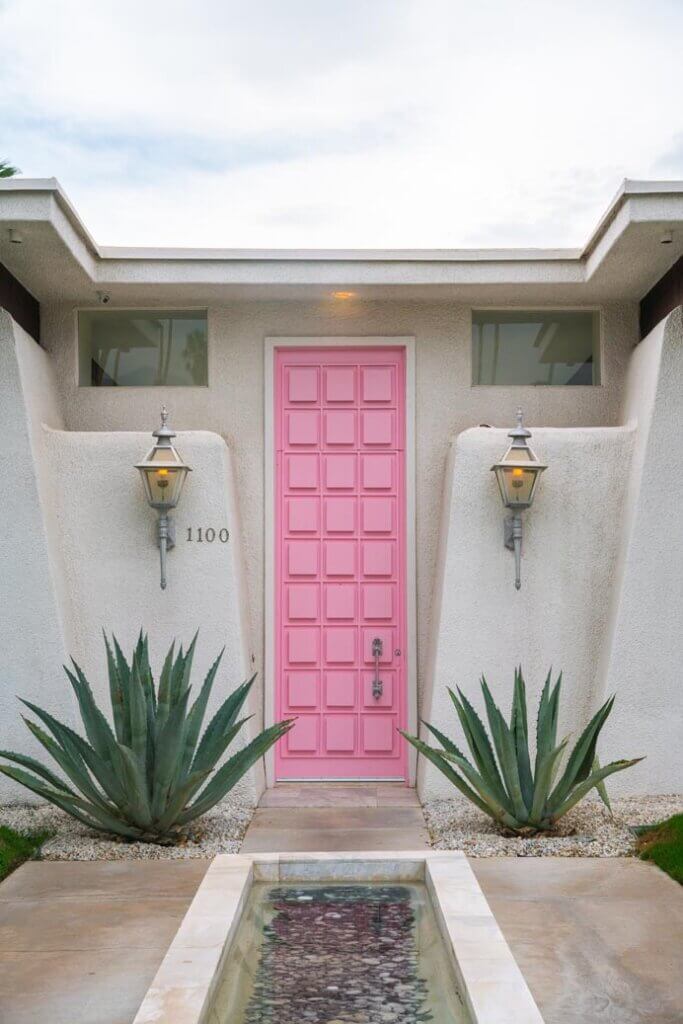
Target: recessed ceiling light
<point x="343" y="295"/>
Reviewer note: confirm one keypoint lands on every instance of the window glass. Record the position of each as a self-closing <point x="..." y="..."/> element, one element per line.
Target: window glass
<point x="130" y="348"/>
<point x="535" y="347"/>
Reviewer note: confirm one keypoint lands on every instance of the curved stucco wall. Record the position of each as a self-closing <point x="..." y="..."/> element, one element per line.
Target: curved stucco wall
<point x="482" y="624"/>
<point x="31" y="623"/>
<point x="111" y="560"/>
<point x="81" y="554"/>
<point x="643" y="654"/>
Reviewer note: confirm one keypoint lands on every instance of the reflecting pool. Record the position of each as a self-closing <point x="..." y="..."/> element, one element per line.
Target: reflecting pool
<point x="337" y="954"/>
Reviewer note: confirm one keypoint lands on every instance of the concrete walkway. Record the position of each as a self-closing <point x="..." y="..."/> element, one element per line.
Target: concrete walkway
<point x="325" y="817"/>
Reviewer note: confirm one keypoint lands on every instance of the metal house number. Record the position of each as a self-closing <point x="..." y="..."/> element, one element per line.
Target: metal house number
<point x="202" y="534"/>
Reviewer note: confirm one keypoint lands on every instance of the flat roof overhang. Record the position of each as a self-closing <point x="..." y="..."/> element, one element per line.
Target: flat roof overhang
<point x="58" y="260"/>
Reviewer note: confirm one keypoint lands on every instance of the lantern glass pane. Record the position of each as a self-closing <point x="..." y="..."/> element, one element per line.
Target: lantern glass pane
<point x="519" y="484"/>
<point x="163" y="485"/>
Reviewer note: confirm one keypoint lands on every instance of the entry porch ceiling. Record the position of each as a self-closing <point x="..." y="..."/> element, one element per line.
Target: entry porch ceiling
<point x="57" y="260"/>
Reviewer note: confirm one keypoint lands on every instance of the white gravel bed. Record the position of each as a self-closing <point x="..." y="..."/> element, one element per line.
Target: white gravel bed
<point x="220" y="830"/>
<point x="586" y="831"/>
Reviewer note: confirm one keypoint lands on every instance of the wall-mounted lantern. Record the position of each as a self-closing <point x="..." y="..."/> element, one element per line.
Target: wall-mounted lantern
<point x="517" y="474"/>
<point x="163" y="474"/>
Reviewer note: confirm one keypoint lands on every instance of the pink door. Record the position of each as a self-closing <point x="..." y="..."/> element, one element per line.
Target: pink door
<point x="340" y="562"/>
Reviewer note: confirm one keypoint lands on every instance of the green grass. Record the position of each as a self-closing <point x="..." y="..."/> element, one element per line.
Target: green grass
<point x="16" y="848"/>
<point x="663" y="844"/>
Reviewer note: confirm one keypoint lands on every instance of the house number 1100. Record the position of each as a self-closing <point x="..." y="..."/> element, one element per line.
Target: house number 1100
<point x="200" y="534"/>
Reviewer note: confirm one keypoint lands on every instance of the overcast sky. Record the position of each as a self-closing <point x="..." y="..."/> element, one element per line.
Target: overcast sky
<point x="352" y="123"/>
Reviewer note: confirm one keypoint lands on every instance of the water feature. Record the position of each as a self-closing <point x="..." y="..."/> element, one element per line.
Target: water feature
<point x="333" y="953"/>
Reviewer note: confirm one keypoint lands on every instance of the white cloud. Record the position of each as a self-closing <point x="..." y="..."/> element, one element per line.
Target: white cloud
<point x="361" y="123"/>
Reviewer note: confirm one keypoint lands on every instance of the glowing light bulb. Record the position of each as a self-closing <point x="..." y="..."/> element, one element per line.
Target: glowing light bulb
<point x="517" y="475"/>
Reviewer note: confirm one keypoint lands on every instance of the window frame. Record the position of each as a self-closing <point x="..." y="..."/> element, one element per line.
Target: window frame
<point x="99" y="308"/>
<point x="506" y="308"/>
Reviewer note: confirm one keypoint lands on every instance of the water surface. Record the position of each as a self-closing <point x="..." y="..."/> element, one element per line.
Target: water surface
<point x="338" y="954"/>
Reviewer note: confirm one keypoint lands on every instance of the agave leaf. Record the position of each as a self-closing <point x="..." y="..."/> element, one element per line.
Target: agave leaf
<point x="146" y="677"/>
<point x="444" y="741"/>
<point x="115" y="690"/>
<point x="479" y="744"/>
<point x="498" y="810"/>
<point x="97" y="728"/>
<point x="210" y="746"/>
<point x="439" y="761"/>
<point x="135" y="787"/>
<point x="37" y="768"/>
<point x="164" y="694"/>
<point x="184" y="679"/>
<point x="544" y="781"/>
<point x="179" y="799"/>
<point x="232" y="771"/>
<point x="66" y="756"/>
<point x="585" y="787"/>
<point x="601" y="787"/>
<point x="546" y="722"/>
<point x="507" y="757"/>
<point x="104" y="774"/>
<point x="169" y="748"/>
<point x="546" y="734"/>
<point x="138" y="716"/>
<point x="74" y="806"/>
<point x="582" y="756"/>
<point x="124" y="675"/>
<point x="520" y="735"/>
<point x="195" y="718"/>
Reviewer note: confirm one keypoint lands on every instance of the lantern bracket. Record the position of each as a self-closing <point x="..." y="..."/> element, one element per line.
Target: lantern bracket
<point x="170" y="533"/>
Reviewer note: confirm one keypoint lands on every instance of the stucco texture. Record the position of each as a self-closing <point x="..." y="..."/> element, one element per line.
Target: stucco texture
<point x="446" y="403"/>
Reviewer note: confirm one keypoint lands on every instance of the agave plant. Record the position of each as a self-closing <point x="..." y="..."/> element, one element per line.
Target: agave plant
<point x="503" y="784"/>
<point x="151" y="774"/>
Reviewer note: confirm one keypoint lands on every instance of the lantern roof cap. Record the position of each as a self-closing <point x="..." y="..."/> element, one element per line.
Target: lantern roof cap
<point x="164" y="433"/>
<point x="519" y="433"/>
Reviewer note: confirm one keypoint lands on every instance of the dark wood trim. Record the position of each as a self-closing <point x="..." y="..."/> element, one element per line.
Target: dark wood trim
<point x="662" y="298"/>
<point x="19" y="303"/>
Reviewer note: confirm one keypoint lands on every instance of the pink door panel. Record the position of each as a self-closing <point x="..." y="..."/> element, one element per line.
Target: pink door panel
<point x="340" y="562"/>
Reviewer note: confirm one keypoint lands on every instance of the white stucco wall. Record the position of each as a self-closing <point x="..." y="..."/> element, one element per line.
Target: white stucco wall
<point x="80" y="554"/>
<point x="31" y="623"/>
<point x="111" y="561"/>
<point x="446" y="403"/>
<point x="642" y="657"/>
<point x="558" y="618"/>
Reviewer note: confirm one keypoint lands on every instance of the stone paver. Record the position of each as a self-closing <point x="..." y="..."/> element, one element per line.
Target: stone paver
<point x="81" y="942"/>
<point x="325" y="817"/>
<point x="599" y="941"/>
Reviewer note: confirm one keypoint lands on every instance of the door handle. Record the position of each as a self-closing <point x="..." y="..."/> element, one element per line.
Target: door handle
<point x="377" y="687"/>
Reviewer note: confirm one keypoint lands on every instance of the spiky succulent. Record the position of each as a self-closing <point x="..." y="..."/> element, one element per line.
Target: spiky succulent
<point x="151" y="774"/>
<point x="503" y="784"/>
